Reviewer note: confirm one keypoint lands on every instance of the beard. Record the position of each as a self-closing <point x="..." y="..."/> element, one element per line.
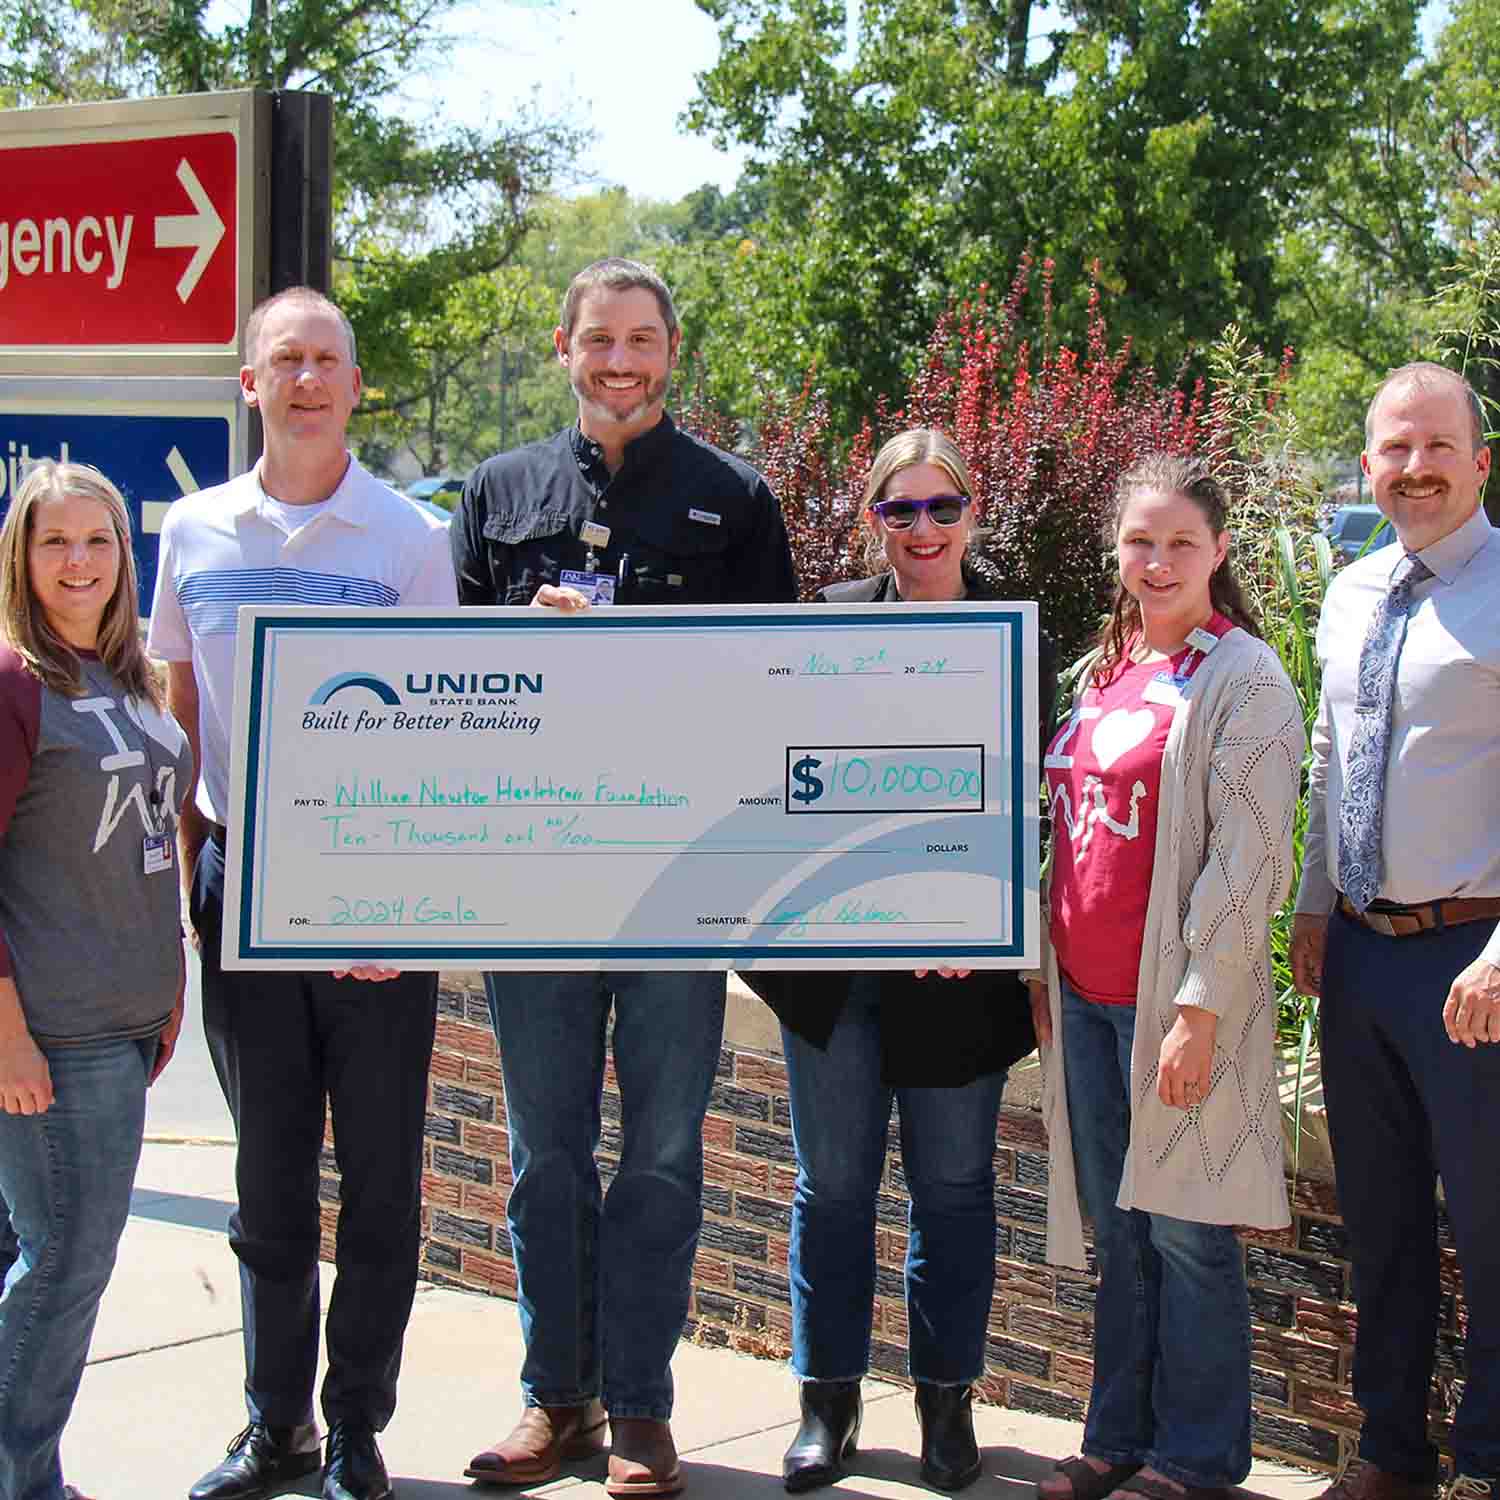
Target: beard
<point x="654" y="394"/>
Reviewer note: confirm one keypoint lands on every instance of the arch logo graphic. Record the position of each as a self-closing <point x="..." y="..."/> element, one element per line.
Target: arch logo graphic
<point x="366" y="680"/>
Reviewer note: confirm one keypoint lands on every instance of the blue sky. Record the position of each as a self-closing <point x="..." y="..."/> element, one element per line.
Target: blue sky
<point x="623" y="70"/>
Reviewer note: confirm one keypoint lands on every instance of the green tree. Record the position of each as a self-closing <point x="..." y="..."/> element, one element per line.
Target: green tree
<point x="1375" y="260"/>
<point x="569" y="233"/>
<point x="427" y="216"/>
<point x="1164" y="140"/>
<point x="516" y="392"/>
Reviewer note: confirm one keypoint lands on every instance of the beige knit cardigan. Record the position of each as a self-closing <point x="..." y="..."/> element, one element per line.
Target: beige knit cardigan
<point x="1223" y="865"/>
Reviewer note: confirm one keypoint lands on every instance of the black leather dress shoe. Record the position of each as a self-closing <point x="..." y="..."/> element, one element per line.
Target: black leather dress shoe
<point x="828" y="1436"/>
<point x="355" y="1469"/>
<point x="261" y="1459"/>
<point x="950" y="1456"/>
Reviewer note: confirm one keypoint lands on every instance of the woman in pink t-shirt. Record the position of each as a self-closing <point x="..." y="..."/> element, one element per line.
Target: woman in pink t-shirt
<point x="1171" y="788"/>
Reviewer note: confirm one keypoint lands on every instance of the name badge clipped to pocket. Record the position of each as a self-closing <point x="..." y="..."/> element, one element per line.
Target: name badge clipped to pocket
<point x="597" y="588"/>
<point x="158" y="853"/>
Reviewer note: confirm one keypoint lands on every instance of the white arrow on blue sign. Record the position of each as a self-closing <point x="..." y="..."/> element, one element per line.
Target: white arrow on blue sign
<point x="153" y="455"/>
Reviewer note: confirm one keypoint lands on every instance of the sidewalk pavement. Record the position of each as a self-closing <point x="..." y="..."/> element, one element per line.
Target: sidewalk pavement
<point x="162" y="1394"/>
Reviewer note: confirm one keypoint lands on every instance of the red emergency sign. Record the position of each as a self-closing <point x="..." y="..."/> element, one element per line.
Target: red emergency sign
<point x="120" y="242"/>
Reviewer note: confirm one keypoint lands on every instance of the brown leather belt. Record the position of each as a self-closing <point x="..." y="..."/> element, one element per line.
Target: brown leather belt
<point x="1390" y="920"/>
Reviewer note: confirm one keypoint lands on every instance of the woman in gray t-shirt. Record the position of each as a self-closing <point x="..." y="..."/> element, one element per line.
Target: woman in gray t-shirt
<point x="92" y="774"/>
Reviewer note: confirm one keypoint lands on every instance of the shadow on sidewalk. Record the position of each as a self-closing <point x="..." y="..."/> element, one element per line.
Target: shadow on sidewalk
<point x="182" y="1209"/>
<point x="1011" y="1468"/>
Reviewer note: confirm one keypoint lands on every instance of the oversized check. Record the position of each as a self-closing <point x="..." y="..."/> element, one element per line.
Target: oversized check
<point x="635" y="788"/>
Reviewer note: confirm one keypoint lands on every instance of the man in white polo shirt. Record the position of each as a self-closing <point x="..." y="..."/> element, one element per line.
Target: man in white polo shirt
<point x="307" y="526"/>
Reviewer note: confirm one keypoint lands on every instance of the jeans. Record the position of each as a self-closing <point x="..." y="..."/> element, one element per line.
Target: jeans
<point x="65" y="1177"/>
<point x="286" y="1047"/>
<point x="603" y="1279"/>
<point x="840" y="1113"/>
<point x="1172" y="1318"/>
<point x="1405" y="1106"/>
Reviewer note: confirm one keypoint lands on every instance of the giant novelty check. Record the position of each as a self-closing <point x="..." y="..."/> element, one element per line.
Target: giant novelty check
<point x="635" y="788"/>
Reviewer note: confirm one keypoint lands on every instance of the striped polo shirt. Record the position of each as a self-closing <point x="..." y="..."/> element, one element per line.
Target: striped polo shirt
<point x="220" y="548"/>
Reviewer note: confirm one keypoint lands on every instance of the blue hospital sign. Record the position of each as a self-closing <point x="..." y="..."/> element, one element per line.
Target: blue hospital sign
<point x="152" y="459"/>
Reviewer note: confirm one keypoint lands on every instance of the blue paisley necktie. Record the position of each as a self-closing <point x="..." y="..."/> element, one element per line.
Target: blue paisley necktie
<point x="1362" y="801"/>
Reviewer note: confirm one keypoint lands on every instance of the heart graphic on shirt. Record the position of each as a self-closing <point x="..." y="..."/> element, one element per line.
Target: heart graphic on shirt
<point x="151" y="720"/>
<point x="1121" y="731"/>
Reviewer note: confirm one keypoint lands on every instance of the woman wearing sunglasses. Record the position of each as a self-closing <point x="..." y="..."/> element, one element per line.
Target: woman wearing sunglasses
<point x="1172" y="788"/>
<point x="856" y="1042"/>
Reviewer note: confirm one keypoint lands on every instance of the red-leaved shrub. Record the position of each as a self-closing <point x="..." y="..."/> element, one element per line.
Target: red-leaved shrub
<point x="1046" y="431"/>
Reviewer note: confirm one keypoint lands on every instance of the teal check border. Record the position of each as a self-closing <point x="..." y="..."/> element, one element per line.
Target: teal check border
<point x="266" y="627"/>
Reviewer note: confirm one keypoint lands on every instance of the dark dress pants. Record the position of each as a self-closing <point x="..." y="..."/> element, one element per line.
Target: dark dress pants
<point x="1405" y="1106"/>
<point x="282" y="1044"/>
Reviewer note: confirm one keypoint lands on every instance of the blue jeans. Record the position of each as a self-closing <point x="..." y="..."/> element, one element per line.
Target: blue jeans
<point x="1406" y="1106"/>
<point x="840" y="1113"/>
<point x="1172" y="1318"/>
<point x="65" y="1177"/>
<point x="603" y="1279"/>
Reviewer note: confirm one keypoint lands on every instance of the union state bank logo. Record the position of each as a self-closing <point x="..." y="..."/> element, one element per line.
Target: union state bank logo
<point x="366" y="680"/>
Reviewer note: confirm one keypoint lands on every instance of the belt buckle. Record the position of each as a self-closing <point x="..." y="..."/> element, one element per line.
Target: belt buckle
<point x="1378" y="921"/>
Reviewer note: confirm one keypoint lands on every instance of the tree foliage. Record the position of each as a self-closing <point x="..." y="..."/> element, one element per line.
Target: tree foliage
<point x="427" y="216"/>
<point x="1405" y="209"/>
<point x="1163" y="140"/>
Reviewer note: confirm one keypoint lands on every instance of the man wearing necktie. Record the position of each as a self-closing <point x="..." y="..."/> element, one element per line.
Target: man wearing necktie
<point x="1396" y="927"/>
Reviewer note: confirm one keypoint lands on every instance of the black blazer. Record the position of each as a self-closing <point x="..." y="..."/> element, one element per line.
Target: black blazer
<point x="934" y="1032"/>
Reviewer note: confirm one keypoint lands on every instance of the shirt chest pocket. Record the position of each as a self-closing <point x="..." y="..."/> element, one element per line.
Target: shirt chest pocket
<point x="529" y="548"/>
<point x="678" y="559"/>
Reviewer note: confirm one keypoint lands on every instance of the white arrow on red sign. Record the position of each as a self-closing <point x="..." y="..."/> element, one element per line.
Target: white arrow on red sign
<point x="202" y="230"/>
<point x="80" y="265"/>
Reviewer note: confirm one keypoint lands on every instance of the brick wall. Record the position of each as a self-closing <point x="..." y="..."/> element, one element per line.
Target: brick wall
<point x="1040" y="1335"/>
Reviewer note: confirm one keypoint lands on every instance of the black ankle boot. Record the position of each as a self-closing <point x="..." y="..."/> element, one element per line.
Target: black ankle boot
<point x="826" y="1440"/>
<point x="950" y="1456"/>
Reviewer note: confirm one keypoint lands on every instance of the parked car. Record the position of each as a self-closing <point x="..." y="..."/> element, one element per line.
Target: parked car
<point x="444" y="515"/>
<point x="441" y="490"/>
<point x="1354" y="525"/>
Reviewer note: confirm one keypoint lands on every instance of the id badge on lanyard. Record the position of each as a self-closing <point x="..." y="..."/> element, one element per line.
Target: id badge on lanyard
<point x="597" y="588"/>
<point x="157" y="849"/>
<point x="1167" y="688"/>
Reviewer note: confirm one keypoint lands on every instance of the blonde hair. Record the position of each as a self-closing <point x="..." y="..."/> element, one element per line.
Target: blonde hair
<point x="917" y="445"/>
<point x="22" y="619"/>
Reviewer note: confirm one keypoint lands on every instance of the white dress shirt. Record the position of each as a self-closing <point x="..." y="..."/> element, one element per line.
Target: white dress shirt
<point x="1441" y="833"/>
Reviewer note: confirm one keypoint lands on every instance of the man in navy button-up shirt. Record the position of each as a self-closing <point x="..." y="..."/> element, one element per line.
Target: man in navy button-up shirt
<point x="626" y="508"/>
